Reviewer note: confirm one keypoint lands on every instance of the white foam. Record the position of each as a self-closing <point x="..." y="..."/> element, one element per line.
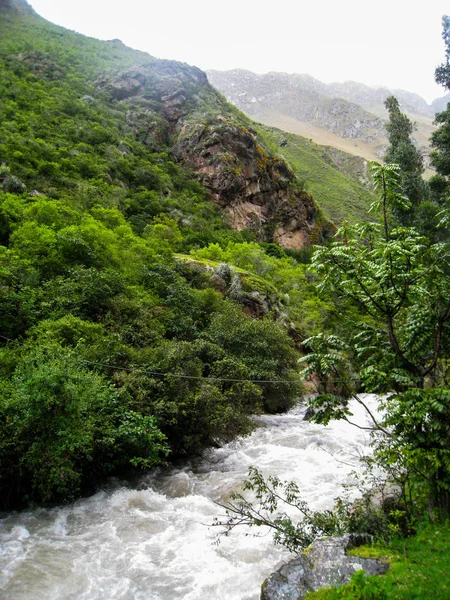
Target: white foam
<point x="154" y="542"/>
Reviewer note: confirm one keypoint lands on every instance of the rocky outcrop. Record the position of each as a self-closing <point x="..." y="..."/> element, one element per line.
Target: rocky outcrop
<point x="348" y="120"/>
<point x="324" y="564"/>
<point x="171" y="105"/>
<point x="256" y="190"/>
<point x="173" y="88"/>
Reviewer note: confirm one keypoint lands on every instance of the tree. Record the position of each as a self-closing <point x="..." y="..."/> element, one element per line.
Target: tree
<point x="440" y="139"/>
<point x="440" y="159"/>
<point x="400" y="282"/>
<point x="442" y="73"/>
<point x="403" y="152"/>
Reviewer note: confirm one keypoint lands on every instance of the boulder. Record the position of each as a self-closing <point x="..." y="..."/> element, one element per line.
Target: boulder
<point x="324" y="564"/>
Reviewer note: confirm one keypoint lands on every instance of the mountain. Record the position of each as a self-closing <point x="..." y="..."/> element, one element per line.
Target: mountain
<point x="18" y="6"/>
<point x="340" y="182"/>
<point x="152" y="289"/>
<point x="373" y="98"/>
<point x="299" y="96"/>
<point x="349" y="116"/>
<point x="440" y="104"/>
<point x="171" y="106"/>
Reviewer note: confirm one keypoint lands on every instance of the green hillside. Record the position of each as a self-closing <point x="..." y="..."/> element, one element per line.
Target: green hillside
<point x="338" y="181"/>
<point x="113" y="352"/>
<point x="136" y="324"/>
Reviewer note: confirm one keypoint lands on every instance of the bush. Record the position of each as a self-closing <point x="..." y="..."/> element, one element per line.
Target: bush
<point x="64" y="426"/>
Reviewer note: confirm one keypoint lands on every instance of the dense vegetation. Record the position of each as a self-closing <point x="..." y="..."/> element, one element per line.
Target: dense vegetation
<point x="122" y="341"/>
<point x="399" y="347"/>
<point x="136" y="326"/>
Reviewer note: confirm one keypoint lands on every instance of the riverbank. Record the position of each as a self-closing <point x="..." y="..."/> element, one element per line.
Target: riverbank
<point x="420" y="570"/>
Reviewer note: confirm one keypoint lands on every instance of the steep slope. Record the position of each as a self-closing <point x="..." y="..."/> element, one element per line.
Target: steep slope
<point x="255" y="189"/>
<point x="299" y="96"/>
<point x="440" y="104"/>
<point x="372" y="99"/>
<point x="114" y="349"/>
<point x="340" y="182"/>
<point x="163" y="101"/>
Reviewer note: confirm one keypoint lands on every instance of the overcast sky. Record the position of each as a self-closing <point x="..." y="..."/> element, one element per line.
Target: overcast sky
<point x="387" y="42"/>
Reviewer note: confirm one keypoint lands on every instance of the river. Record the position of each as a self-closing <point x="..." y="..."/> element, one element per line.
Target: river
<point x="151" y="540"/>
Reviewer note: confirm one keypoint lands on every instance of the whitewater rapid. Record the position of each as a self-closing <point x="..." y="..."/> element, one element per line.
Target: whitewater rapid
<point x="153" y="539"/>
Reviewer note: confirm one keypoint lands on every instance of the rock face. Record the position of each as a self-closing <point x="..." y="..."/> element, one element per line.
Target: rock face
<point x="168" y="86"/>
<point x="300" y="97"/>
<point x="245" y="87"/>
<point x="324" y="564"/>
<point x="256" y="190"/>
<point x="373" y="98"/>
<point x="172" y="105"/>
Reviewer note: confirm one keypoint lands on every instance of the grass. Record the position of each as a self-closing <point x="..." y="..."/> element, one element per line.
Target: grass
<point x="420" y="570"/>
<point x="253" y="281"/>
<point x="340" y="195"/>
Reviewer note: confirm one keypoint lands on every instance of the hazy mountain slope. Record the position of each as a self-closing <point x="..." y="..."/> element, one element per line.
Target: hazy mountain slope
<point x="373" y="98"/>
<point x="440" y="104"/>
<point x="350" y="111"/>
<point x="302" y="97"/>
<point x="318" y="135"/>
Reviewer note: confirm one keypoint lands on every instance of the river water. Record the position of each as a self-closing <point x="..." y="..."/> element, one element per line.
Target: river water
<point x="151" y="540"/>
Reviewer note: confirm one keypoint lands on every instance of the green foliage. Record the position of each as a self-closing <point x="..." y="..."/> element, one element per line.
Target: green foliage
<point x="264" y="349"/>
<point x="401" y="281"/>
<point x="440" y="139"/>
<point x="92" y="212"/>
<point x="408" y="157"/>
<point x="442" y="73"/>
<point x="360" y="588"/>
<point x="200" y="395"/>
<point x="277" y="277"/>
<point x="64" y="426"/>
<point x="419" y="425"/>
<point x="440" y="156"/>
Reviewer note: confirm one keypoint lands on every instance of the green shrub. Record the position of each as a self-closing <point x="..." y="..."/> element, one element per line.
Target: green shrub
<point x="63" y="427"/>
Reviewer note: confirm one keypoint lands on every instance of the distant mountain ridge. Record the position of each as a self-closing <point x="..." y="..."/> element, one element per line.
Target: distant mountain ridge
<point x="366" y="96"/>
<point x="440" y="104"/>
<point x="348" y="111"/>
